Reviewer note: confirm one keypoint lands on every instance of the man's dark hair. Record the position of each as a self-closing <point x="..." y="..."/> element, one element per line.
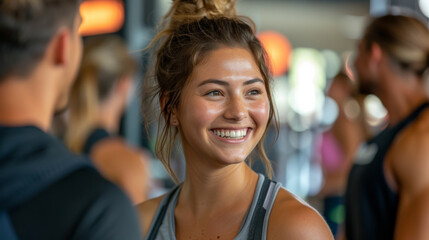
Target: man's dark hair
<point x="26" y="28"/>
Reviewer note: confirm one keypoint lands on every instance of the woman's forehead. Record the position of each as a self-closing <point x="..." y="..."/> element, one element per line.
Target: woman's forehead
<point x="227" y="63"/>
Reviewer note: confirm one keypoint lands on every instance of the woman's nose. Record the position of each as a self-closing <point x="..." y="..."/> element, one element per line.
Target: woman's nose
<point x="236" y="109"/>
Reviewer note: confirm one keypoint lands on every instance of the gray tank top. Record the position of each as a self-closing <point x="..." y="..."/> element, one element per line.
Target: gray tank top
<point x="254" y="225"/>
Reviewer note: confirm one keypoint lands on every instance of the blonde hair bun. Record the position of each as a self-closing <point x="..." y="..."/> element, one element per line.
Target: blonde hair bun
<point x="185" y="11"/>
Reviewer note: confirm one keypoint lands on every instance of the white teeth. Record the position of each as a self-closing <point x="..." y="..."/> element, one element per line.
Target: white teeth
<point x="231" y="134"/>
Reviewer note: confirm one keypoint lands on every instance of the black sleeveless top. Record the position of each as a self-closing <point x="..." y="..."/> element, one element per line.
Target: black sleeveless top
<point x="96" y="135"/>
<point x="371" y="205"/>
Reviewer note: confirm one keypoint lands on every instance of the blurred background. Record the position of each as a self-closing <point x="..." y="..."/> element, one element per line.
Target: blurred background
<point x="310" y="43"/>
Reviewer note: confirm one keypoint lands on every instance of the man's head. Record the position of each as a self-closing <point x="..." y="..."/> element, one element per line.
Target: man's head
<point x="31" y="29"/>
<point x="403" y="40"/>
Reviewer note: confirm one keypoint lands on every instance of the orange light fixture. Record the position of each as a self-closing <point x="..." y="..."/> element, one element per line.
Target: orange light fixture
<point x="278" y="49"/>
<point x="99" y="17"/>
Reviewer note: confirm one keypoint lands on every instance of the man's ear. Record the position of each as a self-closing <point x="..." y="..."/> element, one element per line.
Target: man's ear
<point x="163" y="100"/>
<point x="375" y="58"/>
<point x="61" y="44"/>
<point x="376" y="52"/>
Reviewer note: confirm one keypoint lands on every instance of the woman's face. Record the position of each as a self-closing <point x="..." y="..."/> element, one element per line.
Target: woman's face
<point x="224" y="108"/>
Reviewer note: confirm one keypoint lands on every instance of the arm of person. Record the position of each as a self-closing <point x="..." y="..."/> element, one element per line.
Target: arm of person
<point x="125" y="166"/>
<point x="291" y="218"/>
<point x="410" y="165"/>
<point x="135" y="177"/>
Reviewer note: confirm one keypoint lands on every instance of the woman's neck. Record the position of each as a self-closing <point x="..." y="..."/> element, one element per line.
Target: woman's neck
<point x="204" y="193"/>
<point x="109" y="114"/>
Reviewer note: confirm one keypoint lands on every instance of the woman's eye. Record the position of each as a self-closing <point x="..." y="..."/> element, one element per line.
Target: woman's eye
<point x="214" y="93"/>
<point x="254" y="92"/>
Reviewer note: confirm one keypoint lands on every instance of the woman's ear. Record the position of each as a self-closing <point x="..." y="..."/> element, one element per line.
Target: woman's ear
<point x="173" y="119"/>
<point x="163" y="100"/>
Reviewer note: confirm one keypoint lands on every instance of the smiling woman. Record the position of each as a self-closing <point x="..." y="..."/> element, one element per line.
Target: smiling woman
<point x="213" y="84"/>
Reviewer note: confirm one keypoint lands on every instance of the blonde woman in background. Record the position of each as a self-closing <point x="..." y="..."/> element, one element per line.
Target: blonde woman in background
<point x="97" y="102"/>
<point x="213" y="84"/>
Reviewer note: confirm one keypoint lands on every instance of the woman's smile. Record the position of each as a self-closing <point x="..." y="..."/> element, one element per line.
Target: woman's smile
<point x="233" y="136"/>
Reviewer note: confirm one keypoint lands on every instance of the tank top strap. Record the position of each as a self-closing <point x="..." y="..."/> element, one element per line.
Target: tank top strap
<point x="162" y="211"/>
<point x="411" y="117"/>
<point x="385" y="138"/>
<point x="255" y="224"/>
<point x="263" y="205"/>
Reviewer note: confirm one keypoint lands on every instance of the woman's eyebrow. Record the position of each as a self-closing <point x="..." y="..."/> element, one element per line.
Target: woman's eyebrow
<point x="225" y="83"/>
<point x="214" y="81"/>
<point x="251" y="81"/>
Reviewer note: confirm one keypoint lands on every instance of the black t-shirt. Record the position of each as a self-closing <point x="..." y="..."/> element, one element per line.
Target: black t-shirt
<point x="82" y="205"/>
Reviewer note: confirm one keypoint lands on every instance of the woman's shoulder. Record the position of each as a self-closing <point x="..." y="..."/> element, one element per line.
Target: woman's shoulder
<point x="292" y="218"/>
<point x="147" y="211"/>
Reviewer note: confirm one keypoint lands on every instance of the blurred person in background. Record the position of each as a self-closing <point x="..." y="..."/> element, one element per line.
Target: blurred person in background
<point x="98" y="99"/>
<point x="46" y="192"/>
<point x="213" y="85"/>
<point x="388" y="188"/>
<point x="338" y="147"/>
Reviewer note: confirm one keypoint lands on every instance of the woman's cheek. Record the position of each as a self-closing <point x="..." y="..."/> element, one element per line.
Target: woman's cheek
<point x="260" y="111"/>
